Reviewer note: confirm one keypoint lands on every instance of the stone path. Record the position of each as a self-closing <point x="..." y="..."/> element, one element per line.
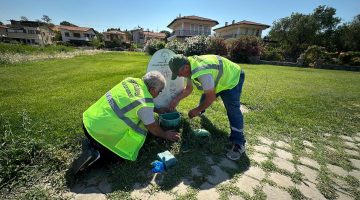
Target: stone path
<point x="273" y="184"/>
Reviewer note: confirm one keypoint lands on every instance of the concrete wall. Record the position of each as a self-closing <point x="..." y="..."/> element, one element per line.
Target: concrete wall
<point x="32" y="35"/>
<point x="81" y="38"/>
<point x="236" y="31"/>
<point x="323" y="66"/>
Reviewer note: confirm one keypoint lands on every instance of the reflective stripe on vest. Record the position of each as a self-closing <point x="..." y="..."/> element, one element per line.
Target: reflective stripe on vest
<point x="121" y="112"/>
<point x="218" y="67"/>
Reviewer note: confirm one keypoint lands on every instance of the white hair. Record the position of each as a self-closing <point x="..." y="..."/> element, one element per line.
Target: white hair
<point x="154" y="79"/>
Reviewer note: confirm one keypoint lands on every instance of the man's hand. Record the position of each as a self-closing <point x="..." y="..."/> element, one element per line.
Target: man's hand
<point x="172" y="135"/>
<point x="193" y="113"/>
<point x="173" y="104"/>
<point x="161" y="110"/>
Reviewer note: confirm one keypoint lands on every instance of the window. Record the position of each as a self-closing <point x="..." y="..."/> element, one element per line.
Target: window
<point x="206" y="30"/>
<point x="77" y="35"/>
<point x="86" y="35"/>
<point x="258" y="32"/>
<point x="67" y="34"/>
<point x="108" y="36"/>
<point x="200" y="29"/>
<point x="16" y="31"/>
<point x="31" y="31"/>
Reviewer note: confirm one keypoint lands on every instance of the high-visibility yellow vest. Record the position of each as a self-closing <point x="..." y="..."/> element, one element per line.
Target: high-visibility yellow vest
<point x="225" y="73"/>
<point x="113" y="121"/>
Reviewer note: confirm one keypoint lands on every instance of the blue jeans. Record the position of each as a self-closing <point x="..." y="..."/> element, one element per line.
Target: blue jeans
<point x="231" y="99"/>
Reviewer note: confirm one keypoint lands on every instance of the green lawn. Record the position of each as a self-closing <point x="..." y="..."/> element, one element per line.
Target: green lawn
<point x="41" y="105"/>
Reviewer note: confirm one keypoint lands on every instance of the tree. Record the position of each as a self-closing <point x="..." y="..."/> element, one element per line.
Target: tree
<point x="347" y="36"/>
<point x="23" y="18"/>
<point x="113" y="29"/>
<point x="46" y="18"/>
<point x="1" y="23"/>
<point x="58" y="36"/>
<point x="325" y="17"/>
<point x="294" y="34"/>
<point x="97" y="43"/>
<point x="128" y="35"/>
<point x="167" y="33"/>
<point x="299" y="31"/>
<point x="327" y="23"/>
<point x="66" y="23"/>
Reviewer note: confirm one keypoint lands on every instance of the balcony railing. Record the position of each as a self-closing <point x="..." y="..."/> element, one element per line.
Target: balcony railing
<point x="189" y="33"/>
<point x="235" y="35"/>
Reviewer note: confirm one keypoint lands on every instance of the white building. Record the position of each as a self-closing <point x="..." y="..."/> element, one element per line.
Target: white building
<point x="74" y="33"/>
<point x="236" y="29"/>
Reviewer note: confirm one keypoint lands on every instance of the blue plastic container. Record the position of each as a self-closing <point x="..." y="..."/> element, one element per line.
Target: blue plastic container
<point x="170" y="120"/>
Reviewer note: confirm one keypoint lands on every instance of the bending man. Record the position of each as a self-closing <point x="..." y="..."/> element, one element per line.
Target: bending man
<point x="216" y="76"/>
<point x="118" y="122"/>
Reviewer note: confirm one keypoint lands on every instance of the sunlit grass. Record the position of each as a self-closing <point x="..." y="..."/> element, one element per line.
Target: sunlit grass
<point x="41" y="105"/>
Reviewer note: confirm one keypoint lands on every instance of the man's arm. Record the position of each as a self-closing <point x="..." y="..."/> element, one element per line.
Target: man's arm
<point x="184" y="93"/>
<point x="146" y="115"/>
<point x="208" y="84"/>
<point x="156" y="130"/>
<point x="161" y="110"/>
<point x="210" y="97"/>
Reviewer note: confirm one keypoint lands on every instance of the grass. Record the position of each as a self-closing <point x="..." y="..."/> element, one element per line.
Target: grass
<point x="41" y="105"/>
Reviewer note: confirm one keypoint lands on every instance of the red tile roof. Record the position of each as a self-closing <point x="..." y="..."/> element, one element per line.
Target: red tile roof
<point x="114" y="32"/>
<point x="73" y="28"/>
<point x="245" y="23"/>
<point x="194" y="18"/>
<point x="154" y="34"/>
<point x="2" y="26"/>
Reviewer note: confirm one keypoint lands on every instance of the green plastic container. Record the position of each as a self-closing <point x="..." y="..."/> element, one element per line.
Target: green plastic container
<point x="201" y="133"/>
<point x="170" y="120"/>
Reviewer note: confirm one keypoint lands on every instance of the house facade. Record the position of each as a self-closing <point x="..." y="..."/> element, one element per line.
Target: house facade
<point x="140" y="37"/>
<point x="236" y="29"/>
<point x="3" y="33"/>
<point x="188" y="26"/>
<point x="76" y="34"/>
<point x="30" y="32"/>
<point x="115" y="35"/>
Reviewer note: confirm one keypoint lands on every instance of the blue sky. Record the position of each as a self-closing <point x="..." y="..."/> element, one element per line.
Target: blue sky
<point x="156" y="15"/>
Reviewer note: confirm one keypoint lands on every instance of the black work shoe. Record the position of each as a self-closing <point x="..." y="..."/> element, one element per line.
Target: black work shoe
<point x="87" y="158"/>
<point x="235" y="152"/>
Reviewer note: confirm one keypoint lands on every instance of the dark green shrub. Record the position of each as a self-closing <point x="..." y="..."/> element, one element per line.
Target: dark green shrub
<point x="97" y="43"/>
<point x="153" y="45"/>
<point x="332" y="58"/>
<point x="217" y="46"/>
<point x="346" y="57"/>
<point x="241" y="49"/>
<point x="132" y="47"/>
<point x="355" y="61"/>
<point x="175" y="46"/>
<point x="314" y="53"/>
<point x="272" y="54"/>
<point x="196" y="45"/>
<point x="114" y="43"/>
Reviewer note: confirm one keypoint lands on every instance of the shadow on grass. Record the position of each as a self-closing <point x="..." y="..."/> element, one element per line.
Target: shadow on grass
<point x="200" y="163"/>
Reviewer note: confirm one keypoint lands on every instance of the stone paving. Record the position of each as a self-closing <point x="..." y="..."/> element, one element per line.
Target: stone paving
<point x="274" y="184"/>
